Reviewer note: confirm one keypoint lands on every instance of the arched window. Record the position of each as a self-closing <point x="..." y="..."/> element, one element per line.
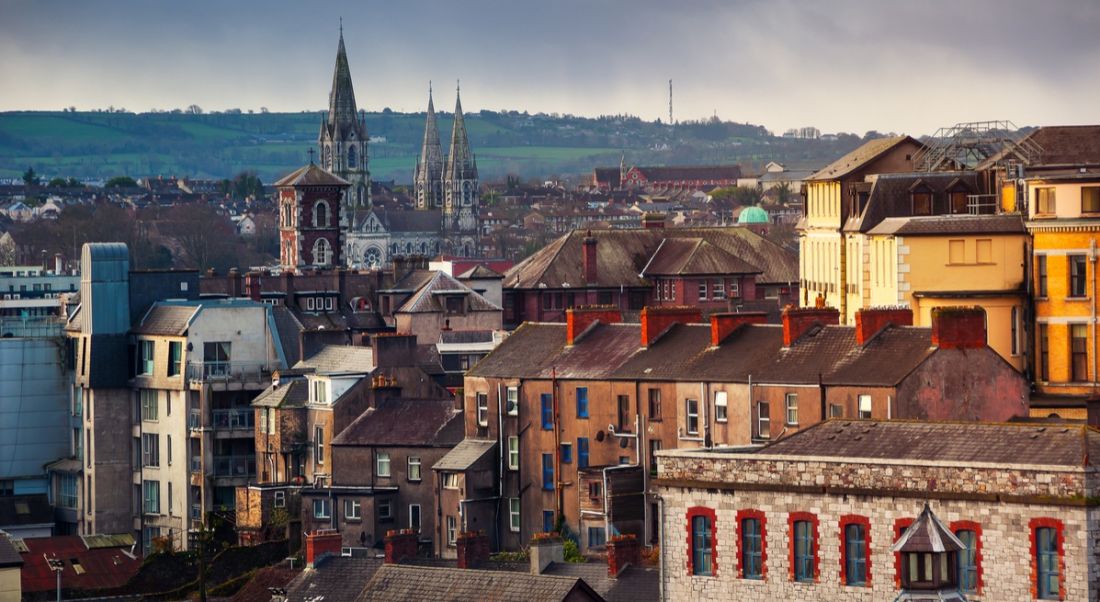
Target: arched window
<point x="320" y="215"/>
<point x="322" y="252"/>
<point x="287" y="222"/>
<point x="352" y="157"/>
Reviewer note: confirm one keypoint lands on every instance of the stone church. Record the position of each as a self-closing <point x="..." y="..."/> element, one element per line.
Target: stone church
<point x="446" y="188"/>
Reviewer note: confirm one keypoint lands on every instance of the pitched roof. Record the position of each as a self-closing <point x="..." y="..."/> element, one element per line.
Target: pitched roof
<point x="537" y="350"/>
<point x="927" y="534"/>
<point x="9" y="555"/>
<point x="399" y="583"/>
<point x="965" y="442"/>
<point x="635" y="584"/>
<point x="480" y="272"/>
<point x="166" y="319"/>
<point x="312" y="175"/>
<point x="891" y="195"/>
<point x="694" y="256"/>
<point x="336" y="578"/>
<point x="691" y="172"/>
<point x="256" y="590"/>
<point x="1063" y="145"/>
<point x="409" y="220"/>
<point x="405" y="422"/>
<point x="100" y="568"/>
<point x="465" y="454"/>
<point x="339" y="358"/>
<point x="29" y="509"/>
<point x="864" y="154"/>
<point x="291" y="394"/>
<point x="427" y="299"/>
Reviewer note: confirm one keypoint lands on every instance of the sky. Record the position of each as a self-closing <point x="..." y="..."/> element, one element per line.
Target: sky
<point x="838" y="65"/>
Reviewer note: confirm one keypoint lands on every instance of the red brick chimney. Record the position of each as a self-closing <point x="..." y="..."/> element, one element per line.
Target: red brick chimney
<point x="656" y="320"/>
<point x="473" y="550"/>
<point x="653" y="221"/>
<point x="591" y="269"/>
<point x="400" y="545"/>
<point x="958" y="327"/>
<point x="871" y="321"/>
<point x="797" y="320"/>
<point x="722" y="325"/>
<point x="321" y="544"/>
<point x="578" y="319"/>
<point x="622" y="551"/>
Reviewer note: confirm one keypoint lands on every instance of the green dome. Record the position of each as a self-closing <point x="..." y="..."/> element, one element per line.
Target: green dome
<point x="753" y="215"/>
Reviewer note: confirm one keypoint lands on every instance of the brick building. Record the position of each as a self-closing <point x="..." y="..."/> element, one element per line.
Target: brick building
<point x="815" y="515"/>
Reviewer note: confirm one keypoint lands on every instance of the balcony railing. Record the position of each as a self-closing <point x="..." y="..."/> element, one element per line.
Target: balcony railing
<point x="194" y="419"/>
<point x="196" y="464"/>
<point x="234" y="466"/>
<point x="243" y="418"/>
<point x="196" y="512"/>
<point x="225" y="372"/>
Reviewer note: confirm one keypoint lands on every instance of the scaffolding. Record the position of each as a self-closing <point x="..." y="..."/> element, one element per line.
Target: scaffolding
<point x="968" y="144"/>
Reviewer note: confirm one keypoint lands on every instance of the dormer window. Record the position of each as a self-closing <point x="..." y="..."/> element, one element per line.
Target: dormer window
<point x="454" y="305"/>
<point x="320" y="391"/>
<point x="922" y="202"/>
<point x="957" y="201"/>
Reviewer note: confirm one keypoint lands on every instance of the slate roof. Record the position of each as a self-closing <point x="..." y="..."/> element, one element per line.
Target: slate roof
<point x="427" y="299"/>
<point x="406" y="423"/>
<point x="9" y="556"/>
<point x="951" y="224"/>
<point x="101" y="567"/>
<point x="458" y="337"/>
<point x="607" y="175"/>
<point x="399" y="583"/>
<point x="480" y="272"/>
<point x="694" y="256"/>
<point x="635" y="584"/>
<point x="867" y="152"/>
<point x="339" y="358"/>
<point x="165" y="319"/>
<point x="410" y="220"/>
<point x="465" y="454"/>
<point x="256" y="590"/>
<point x="966" y="442"/>
<point x="312" y="175"/>
<point x="412" y="281"/>
<point x="623" y="254"/>
<point x="1063" y="145"/>
<point x="890" y="195"/>
<point x="337" y="578"/>
<point x="927" y="534"/>
<point x="290" y="394"/>
<point x="31" y="509"/>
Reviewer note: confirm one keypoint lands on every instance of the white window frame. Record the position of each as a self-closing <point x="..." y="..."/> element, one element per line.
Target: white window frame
<point x="387" y="506"/>
<point x="703" y="290"/>
<point x="279" y="500"/>
<point x="481" y="401"/>
<point x="791" y="407"/>
<point x="382" y="459"/>
<point x="763" y="421"/>
<point x="325" y="508"/>
<point x="319" y="444"/>
<point x="512" y="401"/>
<point x="414" y="462"/>
<point x="691" y="417"/>
<point x="450" y="480"/>
<point x="452" y="530"/>
<point x="514" y="515"/>
<point x="867" y="411"/>
<point x="513" y="453"/>
<point x="718" y="290"/>
<point x="721" y="406"/>
<point x="353" y="509"/>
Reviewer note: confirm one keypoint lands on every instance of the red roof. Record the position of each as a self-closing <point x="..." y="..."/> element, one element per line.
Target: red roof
<point x="99" y="568"/>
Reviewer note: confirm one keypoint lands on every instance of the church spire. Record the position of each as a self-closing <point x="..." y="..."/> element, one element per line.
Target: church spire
<point x="429" y="167"/>
<point x="343" y="137"/>
<point x="341" y="100"/>
<point x="460" y="161"/>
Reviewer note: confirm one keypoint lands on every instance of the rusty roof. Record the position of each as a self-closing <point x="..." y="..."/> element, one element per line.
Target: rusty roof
<point x="861" y="156"/>
<point x="405" y="423"/>
<point x="100" y="568"/>
<point x="966" y="442"/>
<point x="694" y="256"/>
<point x="312" y="175"/>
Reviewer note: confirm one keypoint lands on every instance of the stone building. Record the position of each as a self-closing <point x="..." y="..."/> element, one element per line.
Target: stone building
<point x="816" y="515"/>
<point x="343" y="136"/>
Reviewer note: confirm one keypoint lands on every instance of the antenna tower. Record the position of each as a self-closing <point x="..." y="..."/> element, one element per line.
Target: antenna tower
<point x="670" y="102"/>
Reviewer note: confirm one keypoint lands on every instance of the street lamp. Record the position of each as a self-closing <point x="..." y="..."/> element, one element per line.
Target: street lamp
<point x="58" y="566"/>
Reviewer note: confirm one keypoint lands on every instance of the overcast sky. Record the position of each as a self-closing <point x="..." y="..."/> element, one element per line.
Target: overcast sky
<point x="838" y="65"/>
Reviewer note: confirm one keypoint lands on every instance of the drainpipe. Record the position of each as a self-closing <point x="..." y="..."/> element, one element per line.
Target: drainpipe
<point x="1092" y="316"/>
<point x="556" y="453"/>
<point x="662" y="550"/>
<point x="500" y="456"/>
<point x="704" y="402"/>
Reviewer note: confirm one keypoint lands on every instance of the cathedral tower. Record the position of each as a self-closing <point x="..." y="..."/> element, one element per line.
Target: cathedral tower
<point x="428" y="177"/>
<point x="312" y="220"/>
<point x="343" y="137"/>
<point x="460" y="191"/>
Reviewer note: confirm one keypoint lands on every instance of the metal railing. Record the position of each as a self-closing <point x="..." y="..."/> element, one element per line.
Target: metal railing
<point x="234" y="466"/>
<point x="254" y="372"/>
<point x="194" y="419"/>
<point x="196" y="464"/>
<point x="981" y="204"/>
<point x="243" y="418"/>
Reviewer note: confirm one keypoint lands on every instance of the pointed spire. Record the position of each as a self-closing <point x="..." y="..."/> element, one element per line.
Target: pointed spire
<point x="460" y="161"/>
<point x="341" y="99"/>
<point x="429" y="166"/>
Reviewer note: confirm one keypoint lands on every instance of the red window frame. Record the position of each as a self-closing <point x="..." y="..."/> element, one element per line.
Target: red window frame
<point x="792" y="518"/>
<point x="1059" y="530"/>
<point x="976" y="527"/>
<point x="758" y="515"/>
<point x="900" y="525"/>
<point x="850" y="519"/>
<point x="709" y="513"/>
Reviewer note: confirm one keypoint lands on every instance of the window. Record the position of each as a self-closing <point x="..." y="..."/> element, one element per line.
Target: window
<point x="582" y="402"/>
<point x="1045" y="202"/>
<point x="719" y="290"/>
<point x="1090" y="199"/>
<point x="450" y="480"/>
<point x="547" y="521"/>
<point x="1041" y="274"/>
<point x="382" y="462"/>
<point x="956" y="252"/>
<point x="702" y="523"/>
<point x="1079" y="352"/>
<point x="702" y="290"/>
<point x="148" y="405"/>
<point x="320" y="215"/>
<point x="452" y="530"/>
<point x="320" y="391"/>
<point x="352" y="509"/>
<point x="582" y="452"/>
<point x="691" y="412"/>
<point x="735" y="289"/>
<point x="483" y="409"/>
<point x="594" y="489"/>
<point x="751" y="558"/>
<point x="175" y="355"/>
<point x="922" y="203"/>
<point x="597" y="537"/>
<point x="791" y="403"/>
<point x="414" y="468"/>
<point x="148" y="534"/>
<point x="763" y="420"/>
<point x="513" y="514"/>
<point x="1077" y="275"/>
<point x="1046" y="558"/>
<point x="279" y="500"/>
<point x="322" y="252"/>
<point x="720" y="409"/>
<point x="804" y="547"/>
<point x="1014" y="330"/>
<point x="67" y="491"/>
<point x="864" y="407"/>
<point x="1044" y="352"/>
<point x="654" y="404"/>
<point x="566" y="456"/>
<point x="322" y="508"/>
<point x="546" y="400"/>
<point x="151" y="490"/>
<point x="385" y="510"/>
<point x="969" y="557"/>
<point x="654" y="447"/>
<point x="414" y="517"/>
<point x="856" y="570"/>
<point x="548" y="472"/>
<point x="150" y="449"/>
<point x="958" y="201"/>
<point x="145" y="357"/>
<point x="319" y="444"/>
<point x="513" y="452"/>
<point x="625" y="425"/>
<point x="511" y="406"/>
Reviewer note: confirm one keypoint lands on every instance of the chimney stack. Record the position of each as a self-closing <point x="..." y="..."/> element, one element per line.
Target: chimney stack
<point x="653" y="221"/>
<point x="58" y="265"/>
<point x="722" y="325"/>
<point x="871" y="321"/>
<point x="798" y="320"/>
<point x="958" y="327"/>
<point x="578" y="319"/>
<point x="320" y="544"/>
<point x="657" y="320"/>
<point x="622" y="551"/>
<point x="591" y="269"/>
<point x="473" y="550"/>
<point x="400" y="545"/>
<point x="545" y="548"/>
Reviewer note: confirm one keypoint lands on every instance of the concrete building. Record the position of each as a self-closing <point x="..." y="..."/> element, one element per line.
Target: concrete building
<point x="816" y="515"/>
<point x="31" y="290"/>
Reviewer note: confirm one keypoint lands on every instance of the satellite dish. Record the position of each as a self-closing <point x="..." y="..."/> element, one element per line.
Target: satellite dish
<point x="599" y="436"/>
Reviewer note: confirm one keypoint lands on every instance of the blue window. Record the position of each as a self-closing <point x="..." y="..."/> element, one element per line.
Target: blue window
<point x="700" y="545"/>
<point x="547" y="521"/>
<point x="1046" y="546"/>
<point x="582" y="402"/>
<point x="548" y="472"/>
<point x="597" y="537"/>
<point x="751" y="549"/>
<point x="855" y="557"/>
<point x="547" y="401"/>
<point x="566" y="453"/>
<point x="968" y="560"/>
<point x="582" y="452"/>
<point x="803" y="551"/>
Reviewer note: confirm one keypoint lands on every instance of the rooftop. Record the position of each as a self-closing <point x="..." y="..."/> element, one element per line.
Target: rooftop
<point x="400" y="583"/>
<point x="311" y="175"/>
<point x="405" y="422"/>
<point x="867" y="152"/>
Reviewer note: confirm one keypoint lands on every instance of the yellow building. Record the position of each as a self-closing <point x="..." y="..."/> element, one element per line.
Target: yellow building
<point x="833" y="194"/>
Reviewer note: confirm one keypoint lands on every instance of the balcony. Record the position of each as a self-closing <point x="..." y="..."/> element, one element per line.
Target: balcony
<point x="234" y="466"/>
<point x="196" y="464"/>
<point x="234" y="419"/>
<point x="230" y="373"/>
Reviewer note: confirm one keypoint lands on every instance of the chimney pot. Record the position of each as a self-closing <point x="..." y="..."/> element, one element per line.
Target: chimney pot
<point x="473" y="550"/>
<point x="657" y="320"/>
<point x="578" y="319"/>
<point x="400" y="545"/>
<point x="320" y="544"/>
<point x="622" y="551"/>
<point x="798" y="320"/>
<point x="871" y="321"/>
<point x="722" y="325"/>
